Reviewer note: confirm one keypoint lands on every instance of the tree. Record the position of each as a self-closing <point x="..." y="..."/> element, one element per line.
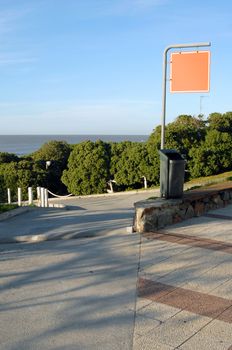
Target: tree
<point x="88" y="168"/>
<point x="21" y="174"/>
<point x="153" y="146"/>
<point x="129" y="163"/>
<point x="57" y="153"/>
<point x="220" y="122"/>
<point x="3" y="191"/>
<point x="184" y="133"/>
<point x="6" y="157"/>
<point x="213" y="156"/>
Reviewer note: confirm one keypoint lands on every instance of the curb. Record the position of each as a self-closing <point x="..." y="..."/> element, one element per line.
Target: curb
<point x="124" y="193"/>
<point x="24" y="239"/>
<point x="25" y="209"/>
<point x="38" y="238"/>
<point x="17" y="211"/>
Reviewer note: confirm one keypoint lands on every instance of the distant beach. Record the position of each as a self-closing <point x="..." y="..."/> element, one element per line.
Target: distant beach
<point x="26" y="144"/>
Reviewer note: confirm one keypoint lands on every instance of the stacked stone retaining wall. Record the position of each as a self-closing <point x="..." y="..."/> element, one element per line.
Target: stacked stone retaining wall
<point x="154" y="214"/>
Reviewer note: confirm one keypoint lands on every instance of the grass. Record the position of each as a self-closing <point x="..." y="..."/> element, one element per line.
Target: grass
<point x="200" y="182"/>
<point x="6" y="207"/>
<point x="204" y="182"/>
<point x="208" y="180"/>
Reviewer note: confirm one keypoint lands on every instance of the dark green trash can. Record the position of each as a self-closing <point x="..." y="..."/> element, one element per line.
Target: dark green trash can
<point x="172" y="170"/>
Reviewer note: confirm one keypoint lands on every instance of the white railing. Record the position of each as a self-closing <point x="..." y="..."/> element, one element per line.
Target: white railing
<point x="42" y="197"/>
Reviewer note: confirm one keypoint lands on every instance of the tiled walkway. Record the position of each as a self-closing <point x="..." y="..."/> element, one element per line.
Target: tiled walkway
<point x="185" y="286"/>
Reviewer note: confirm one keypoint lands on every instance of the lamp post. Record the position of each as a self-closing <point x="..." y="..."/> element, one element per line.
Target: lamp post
<point x="145" y="181"/>
<point x="48" y="163"/>
<point x="110" y="183"/>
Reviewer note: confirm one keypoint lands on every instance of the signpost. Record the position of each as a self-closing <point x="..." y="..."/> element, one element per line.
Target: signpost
<point x="189" y="73"/>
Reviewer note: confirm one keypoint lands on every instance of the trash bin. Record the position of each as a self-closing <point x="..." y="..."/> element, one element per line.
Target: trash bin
<point x="172" y="170"/>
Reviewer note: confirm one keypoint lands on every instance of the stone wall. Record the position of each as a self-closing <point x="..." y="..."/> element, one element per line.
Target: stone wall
<point x="151" y="215"/>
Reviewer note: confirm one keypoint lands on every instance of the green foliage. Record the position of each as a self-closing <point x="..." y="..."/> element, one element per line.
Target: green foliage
<point x="220" y="122"/>
<point x="88" y="168"/>
<point x="129" y="163"/>
<point x="153" y="146"/>
<point x="57" y="152"/>
<point x="212" y="156"/>
<point x="6" y="157"/>
<point x="54" y="151"/>
<point x="182" y="134"/>
<point x="7" y="207"/>
<point x="22" y="174"/>
<point x="2" y="189"/>
<point x="185" y="133"/>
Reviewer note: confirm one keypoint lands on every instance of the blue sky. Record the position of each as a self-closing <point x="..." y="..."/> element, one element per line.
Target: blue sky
<point x="95" y="66"/>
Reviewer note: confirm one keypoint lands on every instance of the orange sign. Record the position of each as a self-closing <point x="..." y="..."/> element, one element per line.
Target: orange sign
<point x="190" y="71"/>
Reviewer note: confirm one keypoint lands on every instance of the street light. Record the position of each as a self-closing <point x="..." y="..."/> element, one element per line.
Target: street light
<point x="145" y="181"/>
<point x="110" y="183"/>
<point x="48" y="163"/>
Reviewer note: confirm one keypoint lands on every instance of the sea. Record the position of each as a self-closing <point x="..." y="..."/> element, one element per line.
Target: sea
<point x="26" y="144"/>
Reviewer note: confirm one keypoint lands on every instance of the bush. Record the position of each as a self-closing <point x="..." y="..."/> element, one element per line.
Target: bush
<point x="88" y="168"/>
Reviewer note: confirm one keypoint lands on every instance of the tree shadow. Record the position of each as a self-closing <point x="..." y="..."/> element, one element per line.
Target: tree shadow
<point x="70" y="294"/>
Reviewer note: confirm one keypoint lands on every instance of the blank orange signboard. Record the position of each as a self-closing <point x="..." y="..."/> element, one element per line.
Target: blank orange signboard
<point x="189" y="71"/>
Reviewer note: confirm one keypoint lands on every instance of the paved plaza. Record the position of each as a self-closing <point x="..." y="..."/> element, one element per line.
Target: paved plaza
<point x="185" y="285"/>
<point x="114" y="289"/>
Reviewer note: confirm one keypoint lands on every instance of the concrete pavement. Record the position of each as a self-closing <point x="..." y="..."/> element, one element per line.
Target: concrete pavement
<point x="81" y="293"/>
<point x="70" y="293"/>
<point x="74" y="294"/>
<point x="185" y="285"/>
<point x="85" y="217"/>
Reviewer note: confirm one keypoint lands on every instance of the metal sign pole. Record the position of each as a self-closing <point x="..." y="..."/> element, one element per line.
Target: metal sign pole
<point x="179" y="46"/>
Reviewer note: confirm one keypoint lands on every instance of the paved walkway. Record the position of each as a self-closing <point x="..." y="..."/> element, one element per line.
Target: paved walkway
<point x="165" y="290"/>
<point x="69" y="294"/>
<point x="185" y="286"/>
<point x="84" y="217"/>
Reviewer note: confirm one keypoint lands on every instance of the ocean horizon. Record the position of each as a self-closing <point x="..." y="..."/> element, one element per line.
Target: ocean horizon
<point x="26" y="144"/>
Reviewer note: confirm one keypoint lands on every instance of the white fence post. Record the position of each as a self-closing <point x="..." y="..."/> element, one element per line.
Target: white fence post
<point x="46" y="197"/>
<point x="19" y="196"/>
<point x="145" y="182"/>
<point x="42" y="195"/>
<point x="30" y="196"/>
<point x="9" y="196"/>
<point x="38" y="196"/>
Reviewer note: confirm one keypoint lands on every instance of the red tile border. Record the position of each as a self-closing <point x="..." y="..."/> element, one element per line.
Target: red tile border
<point x="153" y="290"/>
<point x="191" y="241"/>
<point x="198" y="303"/>
<point x="184" y="299"/>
